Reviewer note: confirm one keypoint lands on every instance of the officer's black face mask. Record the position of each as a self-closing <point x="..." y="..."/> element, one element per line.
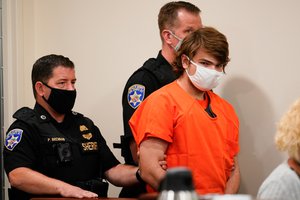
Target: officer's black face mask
<point x="62" y="101"/>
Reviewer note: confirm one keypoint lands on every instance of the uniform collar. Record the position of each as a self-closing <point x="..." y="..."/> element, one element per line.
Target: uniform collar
<point x="44" y="116"/>
<point x="161" y="59"/>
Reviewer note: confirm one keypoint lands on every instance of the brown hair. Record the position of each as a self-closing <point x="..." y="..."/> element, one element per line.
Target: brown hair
<point x="42" y="69"/>
<point x="208" y="39"/>
<point x="167" y="17"/>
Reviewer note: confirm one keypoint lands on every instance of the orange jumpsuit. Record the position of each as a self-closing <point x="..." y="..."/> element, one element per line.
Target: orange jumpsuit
<point x="204" y="144"/>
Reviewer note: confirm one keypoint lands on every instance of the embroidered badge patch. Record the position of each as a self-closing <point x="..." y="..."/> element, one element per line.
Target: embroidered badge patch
<point x="135" y="95"/>
<point x="13" y="138"/>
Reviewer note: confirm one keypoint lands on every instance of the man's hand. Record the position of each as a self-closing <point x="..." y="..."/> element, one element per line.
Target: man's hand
<point x="163" y="163"/>
<point x="33" y="182"/>
<point x="77" y="192"/>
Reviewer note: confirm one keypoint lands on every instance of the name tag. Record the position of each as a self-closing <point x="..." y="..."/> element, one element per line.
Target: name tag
<point x="56" y="139"/>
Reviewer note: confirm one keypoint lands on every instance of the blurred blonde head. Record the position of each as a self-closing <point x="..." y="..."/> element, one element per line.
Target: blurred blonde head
<point x="288" y="132"/>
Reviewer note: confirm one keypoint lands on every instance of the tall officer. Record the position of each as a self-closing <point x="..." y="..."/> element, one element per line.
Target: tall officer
<point x="175" y="20"/>
<point x="50" y="150"/>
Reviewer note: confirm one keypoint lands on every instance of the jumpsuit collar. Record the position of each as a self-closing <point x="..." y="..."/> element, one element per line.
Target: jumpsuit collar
<point x="161" y="59"/>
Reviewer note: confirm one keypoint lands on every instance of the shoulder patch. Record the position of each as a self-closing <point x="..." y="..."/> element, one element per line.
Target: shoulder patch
<point x="135" y="95"/>
<point x="13" y="138"/>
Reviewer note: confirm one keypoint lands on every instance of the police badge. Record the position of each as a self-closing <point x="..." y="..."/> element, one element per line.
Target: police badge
<point x="135" y="95"/>
<point x="13" y="138"/>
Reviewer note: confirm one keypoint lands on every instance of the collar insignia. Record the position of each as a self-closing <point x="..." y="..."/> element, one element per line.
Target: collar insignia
<point x="83" y="128"/>
<point x="135" y="95"/>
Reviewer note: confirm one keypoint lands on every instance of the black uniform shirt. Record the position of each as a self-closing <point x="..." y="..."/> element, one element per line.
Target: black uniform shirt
<point x="71" y="151"/>
<point x="141" y="84"/>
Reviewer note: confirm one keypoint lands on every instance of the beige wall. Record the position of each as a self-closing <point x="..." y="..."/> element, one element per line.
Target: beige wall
<point x="108" y="40"/>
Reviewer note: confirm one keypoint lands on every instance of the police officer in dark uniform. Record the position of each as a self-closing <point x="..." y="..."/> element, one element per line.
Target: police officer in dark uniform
<point x="50" y="150"/>
<point x="175" y="20"/>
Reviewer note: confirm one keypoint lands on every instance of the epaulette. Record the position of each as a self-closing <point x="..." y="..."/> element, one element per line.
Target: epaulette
<point x="77" y="114"/>
<point x="24" y="113"/>
<point x="159" y="71"/>
<point x="150" y="68"/>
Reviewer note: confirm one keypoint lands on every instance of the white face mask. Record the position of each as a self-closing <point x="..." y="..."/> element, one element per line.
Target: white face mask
<point x="178" y="45"/>
<point x="204" y="79"/>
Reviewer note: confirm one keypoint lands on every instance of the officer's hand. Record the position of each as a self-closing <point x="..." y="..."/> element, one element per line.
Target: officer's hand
<point x="77" y="192"/>
<point x="163" y="163"/>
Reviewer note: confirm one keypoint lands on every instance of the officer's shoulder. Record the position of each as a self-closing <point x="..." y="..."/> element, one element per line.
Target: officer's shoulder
<point x="77" y="114"/>
<point x="24" y="113"/>
<point x="22" y="116"/>
<point x="151" y="62"/>
<point x="81" y="117"/>
<point x="143" y="72"/>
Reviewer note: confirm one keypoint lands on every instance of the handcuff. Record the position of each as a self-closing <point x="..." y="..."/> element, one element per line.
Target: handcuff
<point x="138" y="176"/>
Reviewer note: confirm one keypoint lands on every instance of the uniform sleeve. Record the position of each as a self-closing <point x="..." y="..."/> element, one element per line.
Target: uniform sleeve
<point x="20" y="147"/>
<point x="154" y="118"/>
<point x="137" y="88"/>
<point x="108" y="159"/>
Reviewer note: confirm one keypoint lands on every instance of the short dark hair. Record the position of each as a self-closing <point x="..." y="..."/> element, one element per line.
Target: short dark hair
<point x="210" y="40"/>
<point x="42" y="69"/>
<point x="167" y="16"/>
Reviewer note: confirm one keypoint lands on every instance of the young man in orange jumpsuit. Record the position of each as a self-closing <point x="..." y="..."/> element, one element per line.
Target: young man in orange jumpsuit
<point x="189" y="123"/>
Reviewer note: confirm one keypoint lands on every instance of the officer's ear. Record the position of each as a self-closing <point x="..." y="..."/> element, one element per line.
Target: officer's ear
<point x="39" y="88"/>
<point x="167" y="36"/>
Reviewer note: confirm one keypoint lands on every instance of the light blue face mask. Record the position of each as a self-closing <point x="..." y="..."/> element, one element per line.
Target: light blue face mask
<point x="178" y="45"/>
